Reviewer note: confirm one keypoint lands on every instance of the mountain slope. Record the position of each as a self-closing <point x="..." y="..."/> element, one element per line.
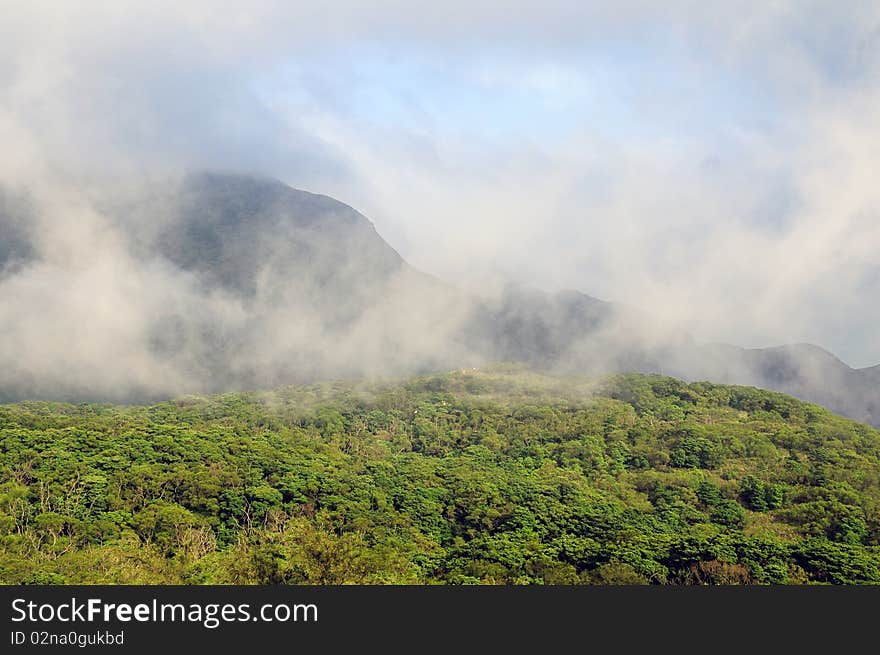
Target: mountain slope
<point x="802" y="370"/>
<point x="483" y="477"/>
<point x="16" y="233"/>
<point x="228" y="229"/>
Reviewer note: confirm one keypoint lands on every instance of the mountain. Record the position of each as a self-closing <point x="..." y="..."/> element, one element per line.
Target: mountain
<point x="16" y="237"/>
<point x="871" y="373"/>
<point x="575" y="334"/>
<point x="238" y="281"/>
<point x="312" y="263"/>
<point x="802" y="370"/>
<point x="229" y="229"/>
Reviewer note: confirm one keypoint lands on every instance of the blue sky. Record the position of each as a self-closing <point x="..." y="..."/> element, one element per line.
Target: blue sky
<point x="624" y="91"/>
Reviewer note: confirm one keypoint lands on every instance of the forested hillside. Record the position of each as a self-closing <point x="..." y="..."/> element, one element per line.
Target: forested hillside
<point x="498" y="476"/>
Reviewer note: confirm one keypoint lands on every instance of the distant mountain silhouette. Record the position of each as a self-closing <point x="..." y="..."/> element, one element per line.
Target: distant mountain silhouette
<point x="292" y="261"/>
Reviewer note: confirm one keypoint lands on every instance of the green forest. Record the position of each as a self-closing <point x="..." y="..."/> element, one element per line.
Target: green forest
<point x="495" y="476"/>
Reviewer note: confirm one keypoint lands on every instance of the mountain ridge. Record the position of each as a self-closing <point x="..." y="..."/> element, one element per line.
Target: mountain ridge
<point x="291" y="286"/>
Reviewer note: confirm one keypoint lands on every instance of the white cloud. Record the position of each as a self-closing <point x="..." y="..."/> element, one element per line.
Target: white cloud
<point x="667" y="197"/>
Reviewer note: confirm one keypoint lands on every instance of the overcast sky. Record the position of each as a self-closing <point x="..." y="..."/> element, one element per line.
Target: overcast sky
<point x="714" y="163"/>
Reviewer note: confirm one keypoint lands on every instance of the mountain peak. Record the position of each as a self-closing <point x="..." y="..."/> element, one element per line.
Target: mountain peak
<point x="230" y="228"/>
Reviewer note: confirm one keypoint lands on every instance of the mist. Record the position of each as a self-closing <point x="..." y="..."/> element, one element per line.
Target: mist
<point x="710" y="169"/>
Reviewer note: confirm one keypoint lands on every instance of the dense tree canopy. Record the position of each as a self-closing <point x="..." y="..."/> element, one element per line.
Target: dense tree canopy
<point x="499" y="476"/>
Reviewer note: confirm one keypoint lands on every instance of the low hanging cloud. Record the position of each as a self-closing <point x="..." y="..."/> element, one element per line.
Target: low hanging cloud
<point x="710" y="166"/>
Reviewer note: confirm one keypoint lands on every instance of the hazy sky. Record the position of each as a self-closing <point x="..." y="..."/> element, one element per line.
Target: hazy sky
<point x="714" y="163"/>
